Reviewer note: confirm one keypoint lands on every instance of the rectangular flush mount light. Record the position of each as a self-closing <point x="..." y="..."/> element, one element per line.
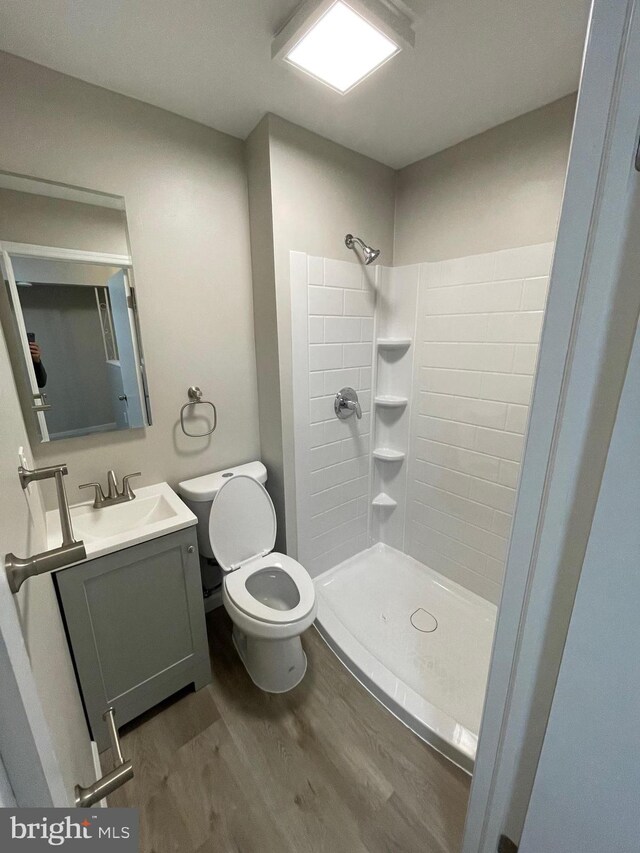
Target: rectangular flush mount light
<point x="341" y="43"/>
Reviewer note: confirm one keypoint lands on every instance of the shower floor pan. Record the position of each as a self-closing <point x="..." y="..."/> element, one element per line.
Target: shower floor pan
<point x="417" y="641"/>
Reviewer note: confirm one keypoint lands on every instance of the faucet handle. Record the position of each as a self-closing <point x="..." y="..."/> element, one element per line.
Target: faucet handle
<point x="127" y="491"/>
<point x="99" y="497"/>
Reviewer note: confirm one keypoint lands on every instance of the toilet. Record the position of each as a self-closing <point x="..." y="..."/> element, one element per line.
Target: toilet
<point x="270" y="597"/>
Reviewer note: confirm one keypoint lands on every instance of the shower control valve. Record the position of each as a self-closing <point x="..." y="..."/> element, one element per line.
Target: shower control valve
<point x="346" y="403"/>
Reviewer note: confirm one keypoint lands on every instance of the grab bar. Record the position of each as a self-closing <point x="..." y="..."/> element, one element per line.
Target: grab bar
<point x="71" y="551"/>
<point x="122" y="770"/>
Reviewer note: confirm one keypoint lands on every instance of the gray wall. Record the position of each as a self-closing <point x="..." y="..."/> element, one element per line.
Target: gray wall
<point x="498" y="190"/>
<point x="317" y="192"/>
<point x="186" y="198"/>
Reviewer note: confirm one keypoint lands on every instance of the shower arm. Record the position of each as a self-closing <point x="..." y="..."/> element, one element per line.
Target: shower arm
<point x="349" y="240"/>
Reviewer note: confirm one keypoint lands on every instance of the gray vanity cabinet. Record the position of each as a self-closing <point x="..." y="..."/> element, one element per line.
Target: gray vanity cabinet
<point x="135" y="620"/>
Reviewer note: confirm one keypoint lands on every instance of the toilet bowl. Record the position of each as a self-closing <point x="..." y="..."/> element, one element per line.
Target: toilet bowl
<point x="269" y="596"/>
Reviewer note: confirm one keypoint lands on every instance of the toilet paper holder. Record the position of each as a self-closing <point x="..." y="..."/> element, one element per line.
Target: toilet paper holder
<point x="195" y="399"/>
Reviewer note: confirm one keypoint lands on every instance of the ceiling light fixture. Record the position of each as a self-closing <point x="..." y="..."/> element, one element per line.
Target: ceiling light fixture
<point x="340" y="43"/>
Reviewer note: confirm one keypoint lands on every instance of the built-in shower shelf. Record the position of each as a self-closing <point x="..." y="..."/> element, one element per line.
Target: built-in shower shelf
<point x="390" y="401"/>
<point x="386" y="454"/>
<point x="393" y="343"/>
<point x="383" y="499"/>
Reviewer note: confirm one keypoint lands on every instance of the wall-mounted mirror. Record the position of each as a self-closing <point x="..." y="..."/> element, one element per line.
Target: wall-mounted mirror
<point x="69" y="309"/>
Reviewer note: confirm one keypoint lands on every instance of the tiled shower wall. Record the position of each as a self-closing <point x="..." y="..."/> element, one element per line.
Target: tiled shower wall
<point x="474" y="350"/>
<point x="333" y="305"/>
<point x="477" y="334"/>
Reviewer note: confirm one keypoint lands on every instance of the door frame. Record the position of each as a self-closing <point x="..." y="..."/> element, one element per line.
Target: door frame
<point x="26" y="749"/>
<point x="590" y="322"/>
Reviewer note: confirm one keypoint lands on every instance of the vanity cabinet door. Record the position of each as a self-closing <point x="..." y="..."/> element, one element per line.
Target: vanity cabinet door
<point x="136" y="625"/>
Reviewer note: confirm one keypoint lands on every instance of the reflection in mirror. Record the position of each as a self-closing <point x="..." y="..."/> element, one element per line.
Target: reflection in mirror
<point x="69" y="309"/>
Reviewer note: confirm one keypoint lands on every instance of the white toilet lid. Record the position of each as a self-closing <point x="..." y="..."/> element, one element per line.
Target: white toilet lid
<point x="242" y="522"/>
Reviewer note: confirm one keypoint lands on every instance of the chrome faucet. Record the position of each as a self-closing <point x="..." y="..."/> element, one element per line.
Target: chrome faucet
<point x="113" y="496"/>
<point x="346" y="404"/>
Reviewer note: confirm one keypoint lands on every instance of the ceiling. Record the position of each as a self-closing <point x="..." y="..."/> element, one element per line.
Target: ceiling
<point x="476" y="63"/>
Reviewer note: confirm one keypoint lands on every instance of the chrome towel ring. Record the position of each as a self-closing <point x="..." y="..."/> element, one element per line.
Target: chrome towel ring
<point x="195" y="399"/>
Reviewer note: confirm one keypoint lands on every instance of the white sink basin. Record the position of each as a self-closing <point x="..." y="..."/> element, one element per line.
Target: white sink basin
<point x="156" y="511"/>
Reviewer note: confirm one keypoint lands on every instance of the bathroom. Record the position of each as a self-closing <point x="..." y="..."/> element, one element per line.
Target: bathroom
<point x="307" y="669"/>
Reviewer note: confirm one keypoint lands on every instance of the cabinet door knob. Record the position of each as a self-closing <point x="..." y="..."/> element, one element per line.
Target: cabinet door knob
<point x="190" y="549"/>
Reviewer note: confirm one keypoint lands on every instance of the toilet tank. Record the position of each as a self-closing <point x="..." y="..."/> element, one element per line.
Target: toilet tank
<point x="199" y="492"/>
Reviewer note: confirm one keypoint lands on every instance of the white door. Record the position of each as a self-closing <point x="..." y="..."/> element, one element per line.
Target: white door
<point x="26" y="750"/>
<point x="7" y="270"/>
<point x="585" y="794"/>
<point x="590" y="324"/>
<point x="123" y="326"/>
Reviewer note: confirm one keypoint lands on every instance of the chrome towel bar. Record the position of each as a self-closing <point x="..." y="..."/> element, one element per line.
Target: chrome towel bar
<point x="122" y="770"/>
<point x="18" y="569"/>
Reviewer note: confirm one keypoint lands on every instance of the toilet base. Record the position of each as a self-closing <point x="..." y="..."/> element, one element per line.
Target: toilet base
<point x="275" y="666"/>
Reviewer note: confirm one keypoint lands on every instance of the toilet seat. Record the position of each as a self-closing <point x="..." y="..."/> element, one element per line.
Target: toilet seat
<point x="235" y="585"/>
<point x="242" y="531"/>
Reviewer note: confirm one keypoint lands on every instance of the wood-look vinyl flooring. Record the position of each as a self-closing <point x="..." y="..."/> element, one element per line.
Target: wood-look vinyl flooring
<point x="323" y="768"/>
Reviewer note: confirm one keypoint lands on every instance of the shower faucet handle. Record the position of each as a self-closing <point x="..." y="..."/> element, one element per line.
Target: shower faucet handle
<point x="346" y="403"/>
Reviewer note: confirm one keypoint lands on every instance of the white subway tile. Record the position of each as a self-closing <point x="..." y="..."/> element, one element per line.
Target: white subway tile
<point x="442" y="478"/>
<point x="358" y="303"/>
<point x="475" y="298"/>
<point x="315" y="270"/>
<point x="506" y="445"/>
<point x="502" y="523"/>
<point x="333" y="518"/>
<point x="463" y="409"/>
<point x="316" y="384"/>
<point x="316" y="434"/>
<point x="342" y="274"/>
<point x="458" y="459"/>
<point x="525" y="358"/>
<point x="495" y="571"/>
<point x="366" y="330"/>
<point x="506" y="388"/>
<point x="323" y="300"/>
<point x="334" y="380"/>
<point x="325" y="356"/>
<point x="493" y="495"/>
<point x="365" y="378"/>
<point x="341" y="329"/>
<point x="320" y="409"/>
<point x="454" y="327"/>
<point x="470" y="511"/>
<point x="325" y="455"/>
<point x="357" y="355"/>
<point x="316" y="330"/>
<point x="527" y="261"/>
<point x="464" y="383"/>
<point x="468" y="270"/>
<point x="534" y="295"/>
<point x="527" y="327"/>
<point x="474" y="581"/>
<point x="431" y="274"/>
<point x="517" y="418"/>
<point x="354" y="446"/>
<point x="364" y="398"/>
<point x="475" y="537"/>
<point x="446" y="432"/>
<point x="509" y="473"/>
<point x="465" y="356"/>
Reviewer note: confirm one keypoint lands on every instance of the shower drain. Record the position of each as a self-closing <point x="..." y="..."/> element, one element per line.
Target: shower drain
<point x="423" y="621"/>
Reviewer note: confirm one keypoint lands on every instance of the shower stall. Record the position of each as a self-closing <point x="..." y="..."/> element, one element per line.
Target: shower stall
<point x="403" y="508"/>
